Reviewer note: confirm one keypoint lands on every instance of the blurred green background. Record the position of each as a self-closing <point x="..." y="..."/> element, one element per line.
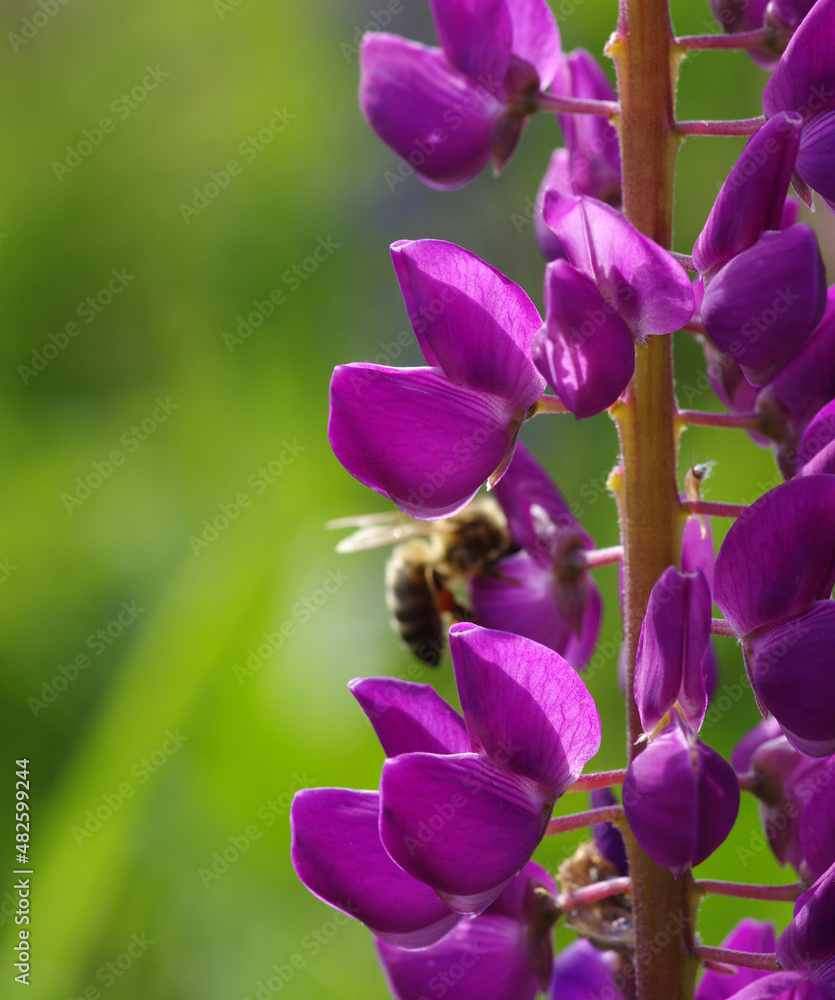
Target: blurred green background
<point x="166" y="483"/>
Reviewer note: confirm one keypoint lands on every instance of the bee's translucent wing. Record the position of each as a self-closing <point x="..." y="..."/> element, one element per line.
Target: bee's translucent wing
<point x="377" y="530"/>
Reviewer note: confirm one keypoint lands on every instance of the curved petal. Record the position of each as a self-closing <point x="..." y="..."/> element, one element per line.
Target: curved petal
<point x="435" y="118"/>
<point x="591" y="140"/>
<point x="460" y="824"/>
<point x="536" y="39"/>
<point x="681" y="799"/>
<point x="648" y="289"/>
<point x="581" y="973"/>
<point x="765" y="303"/>
<point x="697" y="552"/>
<point x="753" y="197"/>
<point x="558" y="176"/>
<point x="524" y="706"/>
<point x="585" y="351"/>
<point x="410" y="717"/>
<point x="764" y="731"/>
<point x="522" y="600"/>
<point x="607" y="836"/>
<point x="475" y="323"/>
<point x="671" y="647"/>
<point x="793" y="677"/>
<point x="415" y="437"/>
<point x="779" y="556"/>
<point x="817" y="823"/>
<point x="816" y="157"/>
<point x="475" y="38"/>
<point x="485" y="958"/>
<point x="804" y="79"/>
<point x="748" y="935"/>
<point x="816" y="451"/>
<point x="808" y="943"/>
<point x="337" y="853"/>
<point x="538" y="515"/>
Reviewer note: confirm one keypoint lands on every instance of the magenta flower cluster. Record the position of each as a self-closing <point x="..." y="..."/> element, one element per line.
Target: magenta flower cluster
<point x="437" y="861"/>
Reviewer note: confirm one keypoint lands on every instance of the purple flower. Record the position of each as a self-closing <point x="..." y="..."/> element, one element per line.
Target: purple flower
<point x="807" y="945"/>
<point x="428" y="438"/>
<point x="816" y="451"/>
<point x="504" y="953"/>
<point x="615" y="285"/>
<point x="466" y="822"/>
<point x="680" y="797"/>
<point x="672" y="646"/>
<point x="448" y="110"/>
<point x="765" y="289"/>
<point x="607" y="837"/>
<point x="804" y="82"/>
<point x="591" y="141"/>
<point x="748" y="935"/>
<point x="782" y="16"/>
<point x="581" y="972"/>
<point x="800" y="389"/>
<point x="337" y="853"/>
<point x="774" y="575"/>
<point x="541" y="592"/>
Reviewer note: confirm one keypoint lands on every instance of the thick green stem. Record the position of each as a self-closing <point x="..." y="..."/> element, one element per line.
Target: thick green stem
<point x="646" y="58"/>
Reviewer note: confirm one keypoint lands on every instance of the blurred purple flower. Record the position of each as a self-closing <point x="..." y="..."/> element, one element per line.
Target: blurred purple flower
<point x="448" y="110"/>
<point x="748" y="935"/>
<point x="542" y="592"/>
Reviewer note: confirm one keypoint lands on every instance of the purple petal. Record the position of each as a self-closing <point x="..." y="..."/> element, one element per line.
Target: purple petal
<point x="817" y="823"/>
<point x="672" y="644"/>
<point x="410" y="717"/>
<point x="538" y="516"/>
<point x="808" y="943"/>
<point x="816" y="157"/>
<point x="514" y="900"/>
<point x="471" y="320"/>
<point x="524" y="706"/>
<point x="591" y="140"/>
<point x="485" y="958"/>
<point x="337" y="853"/>
<point x="744" y="751"/>
<point x="415" y="437"/>
<point x="753" y="197"/>
<point x="793" y="677"/>
<point x="681" y="799"/>
<point x="475" y="38"/>
<point x="738" y="15"/>
<point x="536" y="39"/>
<point x="816" y="451"/>
<point x="779" y="556"/>
<point x="558" y="177"/>
<point x="648" y="289"/>
<point x="804" y="79"/>
<point x="748" y="935"/>
<point x="607" y="837"/>
<point x="585" y="351"/>
<point x="525" y="600"/>
<point x="780" y="986"/>
<point x="460" y="824"/>
<point x="765" y="303"/>
<point x="435" y="118"/>
<point x="581" y="973"/>
<point x="697" y="552"/>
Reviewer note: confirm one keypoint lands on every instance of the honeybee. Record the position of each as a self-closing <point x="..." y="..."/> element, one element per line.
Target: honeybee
<point x="429" y="566"/>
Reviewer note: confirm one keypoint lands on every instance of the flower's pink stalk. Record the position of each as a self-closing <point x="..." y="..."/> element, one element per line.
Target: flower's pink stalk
<point x="787" y="893"/>
<point x="747" y="959"/>
<point x="593" y="893"/>
<point x="651" y="518"/>
<point x="575" y="105"/>
<point x="739" y="40"/>
<point x="718" y="626"/>
<point x="745" y="126"/>
<point x="576" y="821"/>
<point x="747" y="421"/>
<point x="714" y="509"/>
<point x="601" y="779"/>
